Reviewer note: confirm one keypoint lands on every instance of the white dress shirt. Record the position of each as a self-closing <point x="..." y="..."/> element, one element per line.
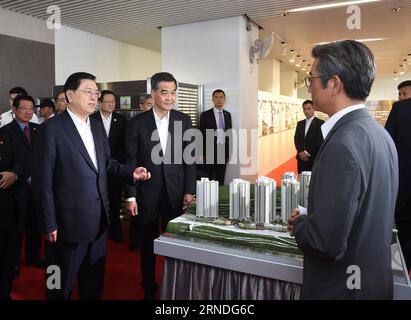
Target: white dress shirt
<point x="329" y="124"/>
<point x="308" y="124"/>
<point x="220" y="133"/>
<point x="8" y="116"/>
<point x="84" y="129"/>
<point x="106" y="122"/>
<point x="162" y="129"/>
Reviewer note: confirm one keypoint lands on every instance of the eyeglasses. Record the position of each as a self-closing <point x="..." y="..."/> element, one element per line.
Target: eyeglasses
<point x="26" y="109"/>
<point x="90" y="93"/>
<point x="309" y="80"/>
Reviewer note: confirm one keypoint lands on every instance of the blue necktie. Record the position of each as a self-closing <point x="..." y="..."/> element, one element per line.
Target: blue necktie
<point x="220" y="120"/>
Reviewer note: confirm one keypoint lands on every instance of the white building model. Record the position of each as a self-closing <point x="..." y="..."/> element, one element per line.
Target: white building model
<point x="207" y="198"/>
<point x="305" y="177"/>
<point x="239" y="199"/>
<point x="289" y="196"/>
<point x="265" y="200"/>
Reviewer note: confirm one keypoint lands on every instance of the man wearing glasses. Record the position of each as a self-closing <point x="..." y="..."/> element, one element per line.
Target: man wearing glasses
<point x="22" y="133"/>
<point x="72" y="160"/>
<point x="348" y="230"/>
<point x="8" y="116"/>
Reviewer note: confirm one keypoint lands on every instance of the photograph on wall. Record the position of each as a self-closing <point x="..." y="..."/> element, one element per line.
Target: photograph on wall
<point x="125" y="102"/>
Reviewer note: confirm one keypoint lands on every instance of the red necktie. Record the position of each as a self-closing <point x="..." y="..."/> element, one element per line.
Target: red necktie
<point x="27" y="133"/>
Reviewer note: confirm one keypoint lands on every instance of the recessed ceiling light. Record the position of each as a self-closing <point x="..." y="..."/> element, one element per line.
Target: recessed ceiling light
<point x="359" y="40"/>
<point x="328" y="5"/>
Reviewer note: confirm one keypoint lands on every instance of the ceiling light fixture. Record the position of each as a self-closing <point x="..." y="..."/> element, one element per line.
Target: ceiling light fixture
<point x="359" y="40"/>
<point x="284" y="48"/>
<point x="327" y="6"/>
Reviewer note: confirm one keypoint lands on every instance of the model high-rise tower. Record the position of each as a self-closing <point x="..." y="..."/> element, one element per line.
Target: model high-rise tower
<point x="265" y="200"/>
<point x="289" y="197"/>
<point x="239" y="199"/>
<point x="207" y="198"/>
<point x="305" y="178"/>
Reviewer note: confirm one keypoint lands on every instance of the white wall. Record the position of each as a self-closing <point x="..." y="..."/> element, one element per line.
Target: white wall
<point x="269" y="76"/>
<point x="287" y="81"/>
<point x="385" y="88"/>
<point x="108" y="59"/>
<point x="215" y="54"/>
<point x="26" y="27"/>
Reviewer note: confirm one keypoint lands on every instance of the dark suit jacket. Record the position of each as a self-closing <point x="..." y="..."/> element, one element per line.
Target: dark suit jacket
<point x="351" y="206"/>
<point x="70" y="193"/>
<point x="207" y="121"/>
<point x="21" y="144"/>
<point x="178" y="175"/>
<point x="116" y="134"/>
<point x="310" y="142"/>
<point x="9" y="161"/>
<point x="398" y="126"/>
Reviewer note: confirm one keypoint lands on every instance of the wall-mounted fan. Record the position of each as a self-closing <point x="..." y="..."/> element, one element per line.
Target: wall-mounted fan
<point x="299" y="84"/>
<point x="261" y="48"/>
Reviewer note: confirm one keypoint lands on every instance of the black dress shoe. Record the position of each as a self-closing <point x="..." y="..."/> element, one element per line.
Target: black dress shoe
<point x="37" y="262"/>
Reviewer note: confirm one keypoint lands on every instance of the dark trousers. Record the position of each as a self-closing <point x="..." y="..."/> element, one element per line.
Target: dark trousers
<point x="29" y="226"/>
<point x="216" y="170"/>
<point x="148" y="230"/>
<point x="9" y="241"/>
<point x="133" y="231"/>
<point x="114" y="195"/>
<point x="304" y="165"/>
<point x="84" y="262"/>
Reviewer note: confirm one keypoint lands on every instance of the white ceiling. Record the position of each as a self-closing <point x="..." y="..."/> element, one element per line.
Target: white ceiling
<point x="138" y="22"/>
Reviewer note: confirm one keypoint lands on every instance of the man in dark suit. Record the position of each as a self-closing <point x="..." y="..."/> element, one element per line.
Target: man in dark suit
<point x="400" y="130"/>
<point x="11" y="168"/>
<point x="404" y="90"/>
<point x="346" y="236"/>
<point x="22" y="134"/>
<point x="72" y="160"/>
<point x="154" y="140"/>
<point x="307" y="138"/>
<point x="114" y="125"/>
<point x="217" y="151"/>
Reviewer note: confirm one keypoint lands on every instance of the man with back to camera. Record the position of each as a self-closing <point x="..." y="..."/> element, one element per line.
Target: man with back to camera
<point x="114" y="125"/>
<point x="219" y="120"/>
<point x="152" y="141"/>
<point x="72" y="160"/>
<point x="8" y="116"/>
<point x="400" y="130"/>
<point x="307" y="138"/>
<point x="353" y="184"/>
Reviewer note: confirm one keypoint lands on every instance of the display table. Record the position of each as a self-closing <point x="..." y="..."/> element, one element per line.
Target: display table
<point x="200" y="269"/>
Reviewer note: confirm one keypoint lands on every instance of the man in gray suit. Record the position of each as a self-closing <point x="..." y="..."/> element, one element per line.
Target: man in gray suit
<point x="346" y="236"/>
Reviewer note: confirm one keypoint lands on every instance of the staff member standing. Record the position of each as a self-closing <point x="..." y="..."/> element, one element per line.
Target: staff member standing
<point x="10" y="169"/>
<point x="114" y="125"/>
<point x="308" y="138"/>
